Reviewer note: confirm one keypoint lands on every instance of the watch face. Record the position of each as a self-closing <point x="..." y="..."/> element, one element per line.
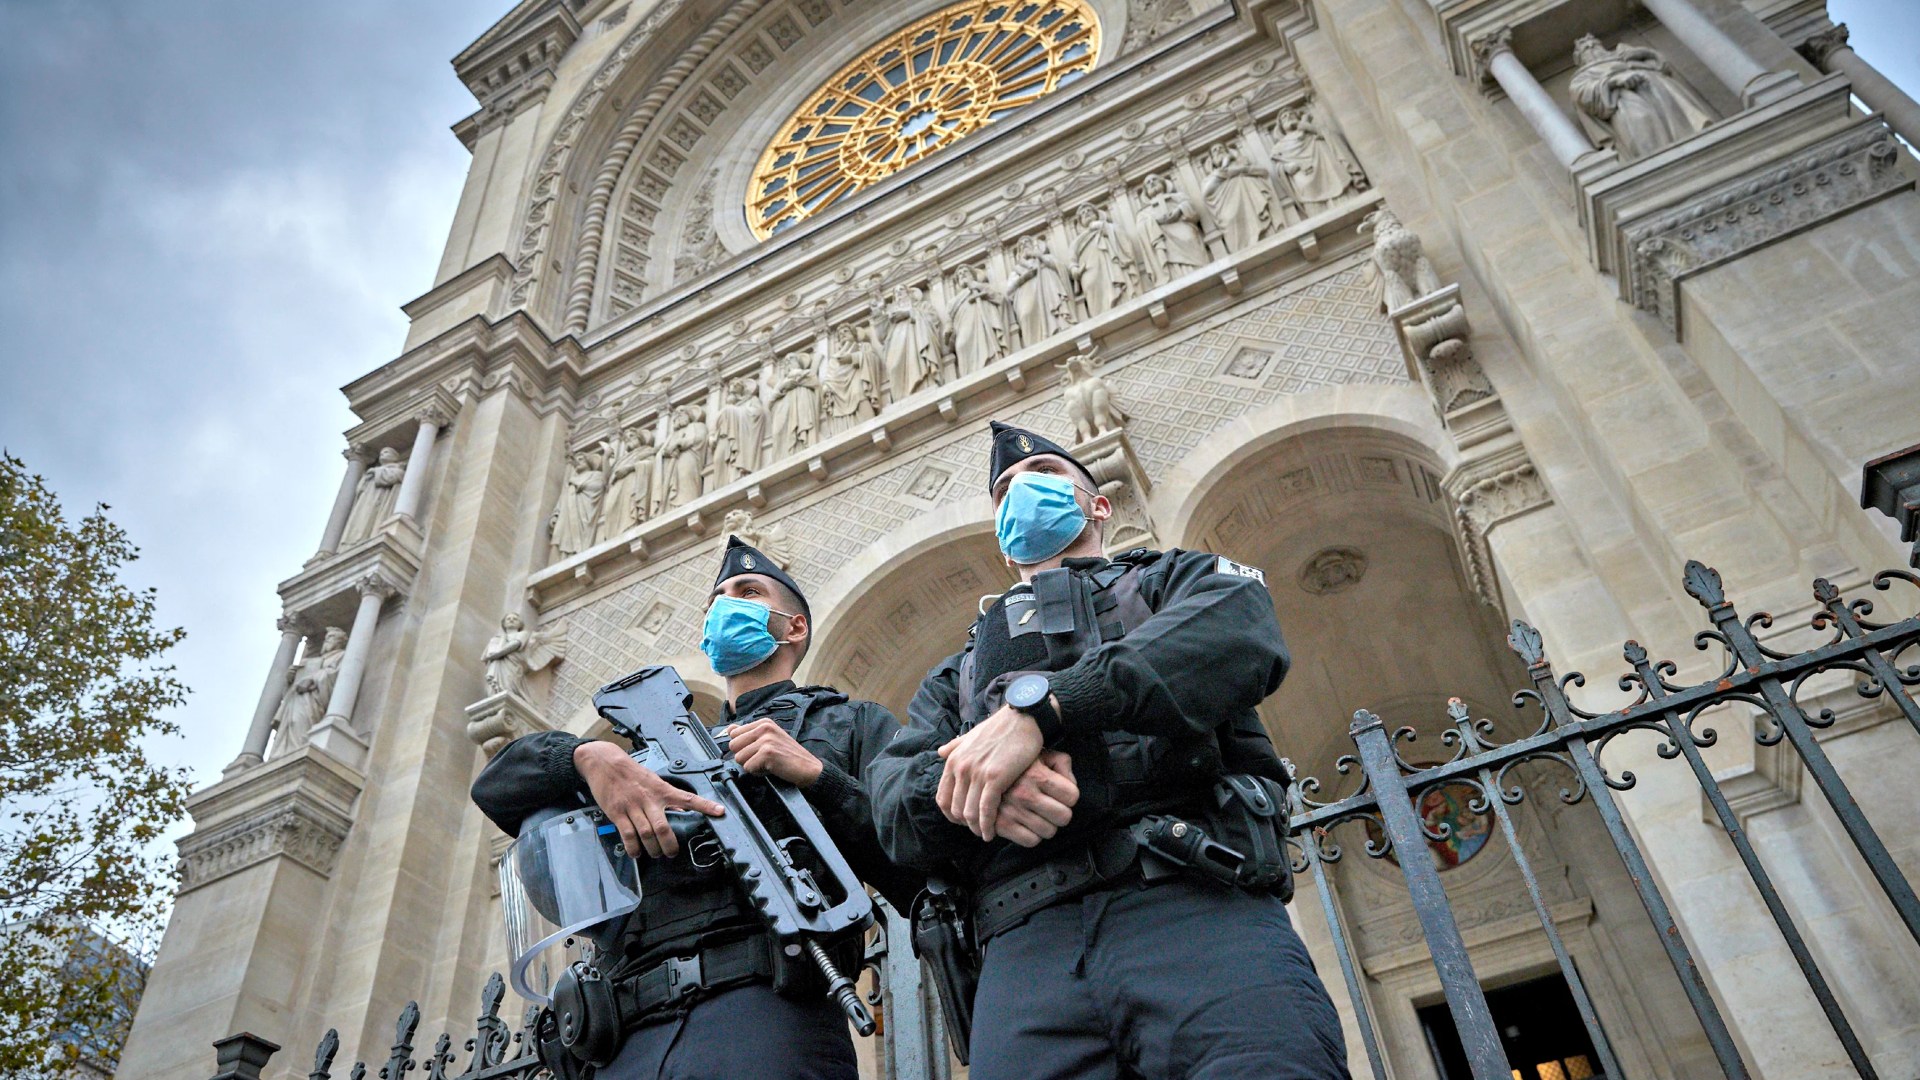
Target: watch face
<point x="1027" y="690"/>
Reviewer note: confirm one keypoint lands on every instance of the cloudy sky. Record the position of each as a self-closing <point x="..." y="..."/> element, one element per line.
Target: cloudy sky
<point x="210" y="212"/>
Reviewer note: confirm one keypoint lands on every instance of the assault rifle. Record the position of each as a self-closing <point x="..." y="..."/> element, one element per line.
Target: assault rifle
<point x="784" y="862"/>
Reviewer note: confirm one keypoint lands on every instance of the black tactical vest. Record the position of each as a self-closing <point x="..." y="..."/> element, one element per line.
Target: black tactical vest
<point x="1121" y="775"/>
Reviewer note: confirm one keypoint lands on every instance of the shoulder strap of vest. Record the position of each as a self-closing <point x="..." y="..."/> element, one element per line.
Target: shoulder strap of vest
<point x="1122" y="579"/>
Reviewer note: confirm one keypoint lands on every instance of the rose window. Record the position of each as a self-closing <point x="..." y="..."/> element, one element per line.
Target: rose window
<point x="914" y="93"/>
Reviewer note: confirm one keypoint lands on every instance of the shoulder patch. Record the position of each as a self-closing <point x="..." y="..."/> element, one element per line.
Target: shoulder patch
<point x="1224" y="565"/>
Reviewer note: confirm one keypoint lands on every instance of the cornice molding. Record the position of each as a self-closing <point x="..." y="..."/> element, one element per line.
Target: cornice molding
<point x="514" y="64"/>
<point x="1766" y="174"/>
<point x="475" y="354"/>
<point x="299" y="806"/>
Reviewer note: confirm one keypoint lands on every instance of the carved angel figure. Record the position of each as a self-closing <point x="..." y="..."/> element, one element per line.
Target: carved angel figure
<point x="1313" y="161"/>
<point x="516" y="651"/>
<point x="1038" y="292"/>
<point x="1102" y="261"/>
<point x="1088" y="398"/>
<point x="912" y="341"/>
<point x="309" y="688"/>
<point x="796" y="405"/>
<point x="1399" y="267"/>
<point x="849" y="382"/>
<point x="1170" y="226"/>
<point x="1630" y="94"/>
<point x="629" y="482"/>
<point x="773" y="539"/>
<point x="1239" y="197"/>
<point x="576" y="515"/>
<point x="373" y="501"/>
<point x="976" y="320"/>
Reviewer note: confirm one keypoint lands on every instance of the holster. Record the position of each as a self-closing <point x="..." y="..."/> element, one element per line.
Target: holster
<point x="943" y="937"/>
<point x="1242" y="840"/>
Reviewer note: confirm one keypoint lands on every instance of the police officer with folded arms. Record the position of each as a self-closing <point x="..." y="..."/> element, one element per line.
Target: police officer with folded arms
<point x="1091" y="772"/>
<point x="732" y="1023"/>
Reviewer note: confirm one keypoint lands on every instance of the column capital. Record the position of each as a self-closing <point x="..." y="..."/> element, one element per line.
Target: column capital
<point x="433" y="415"/>
<point x="292" y="623"/>
<point x="1819" y="48"/>
<point x="374" y="585"/>
<point x="1487" y="46"/>
<point x="357" y="452"/>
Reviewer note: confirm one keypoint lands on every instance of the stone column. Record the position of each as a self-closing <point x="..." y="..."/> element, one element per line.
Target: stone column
<point x="254" y="750"/>
<point x="1829" y="51"/>
<point x="1555" y="128"/>
<point x="407" y="503"/>
<point x="1726" y="58"/>
<point x="353" y="666"/>
<point x="356" y="456"/>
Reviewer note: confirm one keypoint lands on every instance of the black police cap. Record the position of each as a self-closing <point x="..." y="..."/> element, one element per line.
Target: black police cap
<point x="1012" y="444"/>
<point x="743" y="558"/>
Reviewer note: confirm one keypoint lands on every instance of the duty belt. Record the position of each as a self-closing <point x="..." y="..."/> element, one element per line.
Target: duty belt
<point x="1087" y="866"/>
<point x="683" y="979"/>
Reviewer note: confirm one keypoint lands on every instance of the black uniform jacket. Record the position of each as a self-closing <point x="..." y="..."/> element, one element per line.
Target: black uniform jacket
<point x="536" y="771"/>
<point x="1209" y="653"/>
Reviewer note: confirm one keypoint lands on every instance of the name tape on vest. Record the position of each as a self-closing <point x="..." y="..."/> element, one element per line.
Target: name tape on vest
<point x="1224" y="565"/>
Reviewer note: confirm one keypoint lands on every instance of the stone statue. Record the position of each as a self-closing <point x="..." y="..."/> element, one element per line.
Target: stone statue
<point x="1631" y="96"/>
<point x="849" y="379"/>
<point x="772" y="540"/>
<point x="1398" y="267"/>
<point x="1038" y="292"/>
<point x="373" y="502"/>
<point x="576" y="515"/>
<point x="309" y="688"/>
<point x="753" y="424"/>
<point x="1088" y="399"/>
<point x="1170" y="226"/>
<point x="683" y="457"/>
<point x="516" y="651"/>
<point x="912" y="341"/>
<point x="796" y="405"/>
<point x="1312" y="160"/>
<point x="976" y="320"/>
<point x="629" y="482"/>
<point x="738" y="427"/>
<point x="1102" y="261"/>
<point x="1239" y="197"/>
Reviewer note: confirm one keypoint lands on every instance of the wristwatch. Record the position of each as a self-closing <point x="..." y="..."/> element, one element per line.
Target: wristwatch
<point x="1033" y="694"/>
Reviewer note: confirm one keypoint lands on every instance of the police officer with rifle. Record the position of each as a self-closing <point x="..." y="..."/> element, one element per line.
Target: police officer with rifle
<point x="722" y="910"/>
<point x="1089" y="781"/>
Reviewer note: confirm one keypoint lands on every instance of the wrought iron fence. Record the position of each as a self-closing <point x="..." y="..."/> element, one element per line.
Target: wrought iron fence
<point x="1567" y="737"/>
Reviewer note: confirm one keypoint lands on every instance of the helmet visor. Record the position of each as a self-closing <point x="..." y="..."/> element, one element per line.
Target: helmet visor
<point x="563" y="876"/>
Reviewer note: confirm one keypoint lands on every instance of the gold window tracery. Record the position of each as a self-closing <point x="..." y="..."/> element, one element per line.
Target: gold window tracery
<point x="915" y="92"/>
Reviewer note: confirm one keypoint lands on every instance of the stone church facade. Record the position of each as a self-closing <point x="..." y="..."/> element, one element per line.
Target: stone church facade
<point x="1438" y="312"/>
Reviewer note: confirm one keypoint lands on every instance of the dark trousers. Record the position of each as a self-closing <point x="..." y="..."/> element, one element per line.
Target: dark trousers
<point x="744" y="1034"/>
<point x="1177" y="980"/>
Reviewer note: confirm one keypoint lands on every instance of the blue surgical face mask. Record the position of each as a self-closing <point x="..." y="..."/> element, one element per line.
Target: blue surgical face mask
<point x="736" y="637"/>
<point x="1038" y="519"/>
